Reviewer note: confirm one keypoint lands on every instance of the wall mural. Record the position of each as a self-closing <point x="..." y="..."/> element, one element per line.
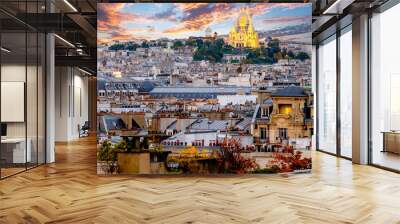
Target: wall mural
<point x="201" y="88"/>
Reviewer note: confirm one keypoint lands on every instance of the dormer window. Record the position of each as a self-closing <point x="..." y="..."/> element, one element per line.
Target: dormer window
<point x="285" y="109"/>
<point x="264" y="112"/>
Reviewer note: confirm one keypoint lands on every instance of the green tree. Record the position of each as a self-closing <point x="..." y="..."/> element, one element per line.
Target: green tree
<point x="144" y="44"/>
<point x="291" y="54"/>
<point x="116" y="47"/>
<point x="177" y="44"/>
<point x="227" y="49"/>
<point x="219" y="43"/>
<point x="132" y="46"/>
<point x="302" y="56"/>
<point x="274" y="45"/>
<point x="209" y="50"/>
<point x="199" y="42"/>
<point x="192" y="43"/>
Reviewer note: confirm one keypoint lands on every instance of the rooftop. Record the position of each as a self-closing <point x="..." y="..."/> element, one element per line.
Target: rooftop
<point x="189" y="89"/>
<point x="290" y="91"/>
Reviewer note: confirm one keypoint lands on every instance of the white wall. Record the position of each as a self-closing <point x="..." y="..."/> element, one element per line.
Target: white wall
<point x="16" y="73"/>
<point x="10" y="73"/>
<point x="71" y="102"/>
<point x="33" y="126"/>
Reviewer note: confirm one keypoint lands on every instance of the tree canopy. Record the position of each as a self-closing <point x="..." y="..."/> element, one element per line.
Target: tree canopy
<point x="214" y="50"/>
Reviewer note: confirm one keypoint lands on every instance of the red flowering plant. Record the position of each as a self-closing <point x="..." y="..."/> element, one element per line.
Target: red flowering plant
<point x="231" y="160"/>
<point x="290" y="160"/>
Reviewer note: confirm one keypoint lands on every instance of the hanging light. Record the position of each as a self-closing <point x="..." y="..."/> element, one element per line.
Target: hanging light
<point x="64" y="40"/>
<point x="70" y="5"/>
<point x="5" y="50"/>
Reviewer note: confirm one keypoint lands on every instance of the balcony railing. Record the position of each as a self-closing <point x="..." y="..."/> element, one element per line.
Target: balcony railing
<point x="262" y="121"/>
<point x="258" y="140"/>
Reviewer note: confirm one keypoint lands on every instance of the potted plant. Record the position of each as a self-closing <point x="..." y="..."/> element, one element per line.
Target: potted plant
<point x="157" y="154"/>
<point x="133" y="156"/>
<point x="231" y="159"/>
<point x="291" y="161"/>
<point x="106" y="157"/>
<point x="173" y="164"/>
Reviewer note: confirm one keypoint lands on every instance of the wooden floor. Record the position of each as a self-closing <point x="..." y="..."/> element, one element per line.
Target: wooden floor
<point x="69" y="191"/>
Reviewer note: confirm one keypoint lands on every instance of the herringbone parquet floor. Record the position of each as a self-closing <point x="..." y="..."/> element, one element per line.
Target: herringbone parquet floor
<point x="69" y="191"/>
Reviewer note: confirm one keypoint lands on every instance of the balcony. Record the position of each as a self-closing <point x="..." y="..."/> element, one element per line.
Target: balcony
<point x="285" y="116"/>
<point x="262" y="121"/>
<point x="259" y="141"/>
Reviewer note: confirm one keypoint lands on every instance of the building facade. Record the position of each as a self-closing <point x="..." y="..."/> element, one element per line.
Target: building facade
<point x="284" y="116"/>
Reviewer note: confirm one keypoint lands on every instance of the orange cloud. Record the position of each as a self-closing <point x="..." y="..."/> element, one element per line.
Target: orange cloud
<point x="110" y="17"/>
<point x="198" y="16"/>
<point x="110" y="20"/>
<point x="192" y="17"/>
<point x="190" y="6"/>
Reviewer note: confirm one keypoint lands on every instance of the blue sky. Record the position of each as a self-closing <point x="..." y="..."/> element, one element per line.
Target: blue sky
<point x="130" y="21"/>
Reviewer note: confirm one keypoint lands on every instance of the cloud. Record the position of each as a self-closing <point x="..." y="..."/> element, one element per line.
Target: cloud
<point x="287" y="19"/>
<point x="151" y="29"/>
<point x="109" y="16"/>
<point x="110" y="20"/>
<point x="169" y="14"/>
<point x="186" y="17"/>
<point x="198" y="16"/>
<point x="111" y="23"/>
<point x="190" y="6"/>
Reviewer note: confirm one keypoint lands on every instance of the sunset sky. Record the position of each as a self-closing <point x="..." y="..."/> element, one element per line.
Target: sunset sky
<point x="130" y="21"/>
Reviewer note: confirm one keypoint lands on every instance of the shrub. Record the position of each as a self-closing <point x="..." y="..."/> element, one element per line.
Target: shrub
<point x="231" y="160"/>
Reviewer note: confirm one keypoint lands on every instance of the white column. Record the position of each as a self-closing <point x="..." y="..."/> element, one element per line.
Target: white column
<point x="63" y="101"/>
<point x="360" y="90"/>
<point x="50" y="99"/>
<point x="314" y="90"/>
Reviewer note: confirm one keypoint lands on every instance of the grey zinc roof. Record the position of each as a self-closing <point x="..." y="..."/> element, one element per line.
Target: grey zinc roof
<point x="290" y="91"/>
<point x="256" y="113"/>
<point x="205" y="124"/>
<point x="172" y="125"/>
<point x="208" y="107"/>
<point x="268" y="101"/>
<point x="187" y="89"/>
<point x="244" y="124"/>
<point x="101" y="85"/>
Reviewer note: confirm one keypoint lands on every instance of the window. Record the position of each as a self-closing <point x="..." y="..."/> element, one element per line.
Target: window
<point x="264" y="112"/>
<point x="283" y="133"/>
<point x="385" y="89"/>
<point x="263" y="133"/>
<point x="326" y="102"/>
<point x="346" y="93"/>
<point x="285" y="109"/>
<point x="22" y="65"/>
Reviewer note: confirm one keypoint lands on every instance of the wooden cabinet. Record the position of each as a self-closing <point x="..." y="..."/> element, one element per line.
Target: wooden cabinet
<point x="391" y="142"/>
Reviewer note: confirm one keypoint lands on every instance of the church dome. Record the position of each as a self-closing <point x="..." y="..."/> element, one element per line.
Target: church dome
<point x="242" y="20"/>
<point x="242" y="33"/>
